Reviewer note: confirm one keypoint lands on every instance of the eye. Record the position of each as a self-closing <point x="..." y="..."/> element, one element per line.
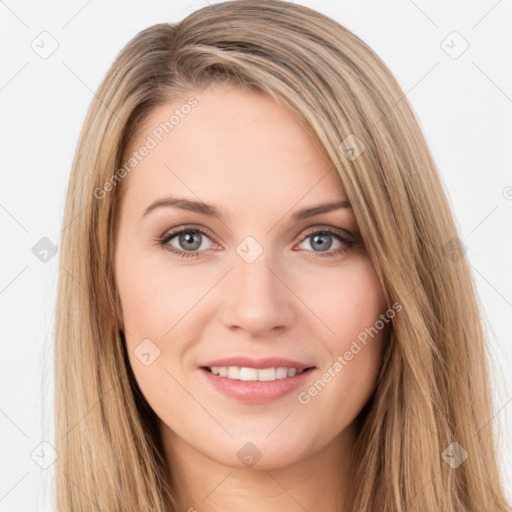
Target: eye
<point x="188" y="243"/>
<point x="321" y="240"/>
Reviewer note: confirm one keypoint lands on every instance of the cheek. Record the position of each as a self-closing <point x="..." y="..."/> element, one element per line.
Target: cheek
<point x="160" y="303"/>
<point x="350" y="302"/>
<point x="154" y="295"/>
<point x="352" y="307"/>
<point x="152" y="304"/>
<point x="342" y="387"/>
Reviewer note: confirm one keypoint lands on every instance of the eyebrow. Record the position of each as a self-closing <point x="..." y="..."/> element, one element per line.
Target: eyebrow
<point x="212" y="211"/>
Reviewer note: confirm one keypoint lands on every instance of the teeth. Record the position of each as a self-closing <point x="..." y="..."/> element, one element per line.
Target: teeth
<point x="248" y="374"/>
<point x="281" y="373"/>
<point x="254" y="374"/>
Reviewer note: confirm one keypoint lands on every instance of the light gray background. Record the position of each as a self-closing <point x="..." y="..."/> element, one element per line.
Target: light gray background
<point x="464" y="105"/>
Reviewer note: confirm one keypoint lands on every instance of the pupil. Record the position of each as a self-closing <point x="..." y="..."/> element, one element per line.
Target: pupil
<point x="323" y="238"/>
<point x="193" y="239"/>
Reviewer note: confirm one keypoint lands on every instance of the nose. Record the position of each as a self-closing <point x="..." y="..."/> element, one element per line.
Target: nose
<point x="256" y="298"/>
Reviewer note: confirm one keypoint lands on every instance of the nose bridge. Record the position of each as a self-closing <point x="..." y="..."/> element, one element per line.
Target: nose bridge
<point x="256" y="299"/>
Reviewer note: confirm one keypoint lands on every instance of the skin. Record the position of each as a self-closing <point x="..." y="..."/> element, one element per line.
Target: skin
<point x="250" y="157"/>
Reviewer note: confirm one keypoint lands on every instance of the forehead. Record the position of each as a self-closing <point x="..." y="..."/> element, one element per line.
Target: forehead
<point x="234" y="145"/>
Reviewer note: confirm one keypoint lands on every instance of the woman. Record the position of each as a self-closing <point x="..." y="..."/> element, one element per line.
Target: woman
<point x="263" y="301"/>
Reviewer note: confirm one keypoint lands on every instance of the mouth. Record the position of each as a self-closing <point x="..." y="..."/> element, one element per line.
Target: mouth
<point x="249" y="374"/>
<point x="256" y="381"/>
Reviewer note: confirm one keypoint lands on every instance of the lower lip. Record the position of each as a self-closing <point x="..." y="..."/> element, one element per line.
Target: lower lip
<point x="257" y="391"/>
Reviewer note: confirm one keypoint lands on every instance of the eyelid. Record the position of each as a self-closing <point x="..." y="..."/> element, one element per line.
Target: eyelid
<point x="324" y="227"/>
<point x="168" y="234"/>
<point x="338" y="233"/>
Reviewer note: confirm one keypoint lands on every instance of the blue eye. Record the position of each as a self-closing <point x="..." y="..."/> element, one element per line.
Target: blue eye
<point x="189" y="238"/>
<point x="190" y="242"/>
<point x="322" y="240"/>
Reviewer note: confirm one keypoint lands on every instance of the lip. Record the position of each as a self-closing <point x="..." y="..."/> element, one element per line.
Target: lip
<point x="266" y="362"/>
<point x="257" y="391"/>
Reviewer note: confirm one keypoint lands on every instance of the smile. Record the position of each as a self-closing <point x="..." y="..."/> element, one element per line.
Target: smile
<point x="256" y="385"/>
<point x="254" y="374"/>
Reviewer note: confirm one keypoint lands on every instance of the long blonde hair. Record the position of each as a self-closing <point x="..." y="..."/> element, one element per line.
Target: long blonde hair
<point x="433" y="387"/>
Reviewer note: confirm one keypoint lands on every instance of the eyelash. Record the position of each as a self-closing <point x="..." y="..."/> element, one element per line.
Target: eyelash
<point x="169" y="235"/>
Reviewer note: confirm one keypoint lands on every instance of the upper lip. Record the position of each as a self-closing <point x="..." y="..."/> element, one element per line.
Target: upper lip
<point x="265" y="362"/>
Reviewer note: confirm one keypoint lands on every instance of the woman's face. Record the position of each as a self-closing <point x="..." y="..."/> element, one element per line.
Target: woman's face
<point x="260" y="284"/>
